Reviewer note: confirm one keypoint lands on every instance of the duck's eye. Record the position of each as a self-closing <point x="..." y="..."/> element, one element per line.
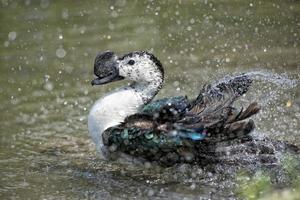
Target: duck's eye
<point x="131" y="62"/>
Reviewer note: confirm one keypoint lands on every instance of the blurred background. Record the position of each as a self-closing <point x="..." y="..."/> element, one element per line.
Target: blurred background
<point x="47" y="50"/>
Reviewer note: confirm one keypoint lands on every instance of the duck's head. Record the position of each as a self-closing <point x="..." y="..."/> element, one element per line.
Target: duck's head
<point x="139" y="66"/>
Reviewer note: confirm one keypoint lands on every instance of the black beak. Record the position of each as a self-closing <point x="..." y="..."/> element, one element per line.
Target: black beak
<point x="107" y="79"/>
<point x="106" y="68"/>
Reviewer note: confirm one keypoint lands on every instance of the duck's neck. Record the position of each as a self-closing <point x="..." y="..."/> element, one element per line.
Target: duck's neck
<point x="146" y="90"/>
<point x="114" y="107"/>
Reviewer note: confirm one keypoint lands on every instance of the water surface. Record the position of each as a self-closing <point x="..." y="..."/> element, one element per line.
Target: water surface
<point x="47" y="53"/>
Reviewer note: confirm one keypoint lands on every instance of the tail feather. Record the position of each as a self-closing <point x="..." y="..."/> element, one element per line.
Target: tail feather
<point x="252" y="109"/>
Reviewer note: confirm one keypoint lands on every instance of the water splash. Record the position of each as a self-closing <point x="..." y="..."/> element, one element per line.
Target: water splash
<point x="281" y="80"/>
<point x="270" y="88"/>
<point x="267" y="87"/>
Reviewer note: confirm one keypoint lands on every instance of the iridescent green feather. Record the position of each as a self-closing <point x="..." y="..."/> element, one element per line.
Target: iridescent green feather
<point x="166" y="148"/>
<point x="179" y="102"/>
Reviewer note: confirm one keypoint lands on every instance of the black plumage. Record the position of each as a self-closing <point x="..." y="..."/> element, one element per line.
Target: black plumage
<point x="176" y="130"/>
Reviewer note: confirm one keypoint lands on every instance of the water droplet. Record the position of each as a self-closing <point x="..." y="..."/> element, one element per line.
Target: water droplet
<point x="150" y="193"/>
<point x="147" y="165"/>
<point x="111" y="26"/>
<point x="48" y="86"/>
<point x="112" y="148"/>
<point x="65" y="14"/>
<point x="289" y="103"/>
<point x="60" y="52"/>
<point x="6" y="44"/>
<point x="175" y="83"/>
<point x="44" y="3"/>
<point x="193" y="186"/>
<point x="12" y="35"/>
<point x="27" y="2"/>
<point x="46" y="77"/>
<point x="82" y="29"/>
<point x="114" y="14"/>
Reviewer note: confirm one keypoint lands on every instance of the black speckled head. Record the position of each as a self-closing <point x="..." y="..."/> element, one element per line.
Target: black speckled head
<point x="106" y="68"/>
<point x="149" y="55"/>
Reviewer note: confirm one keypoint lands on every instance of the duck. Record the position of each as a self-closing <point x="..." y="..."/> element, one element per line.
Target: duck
<point x="127" y="121"/>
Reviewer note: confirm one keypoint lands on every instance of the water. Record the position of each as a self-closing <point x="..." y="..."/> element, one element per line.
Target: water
<point x="47" y="53"/>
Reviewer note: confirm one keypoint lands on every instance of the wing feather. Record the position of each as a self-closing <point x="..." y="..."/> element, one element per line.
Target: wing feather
<point x="175" y="130"/>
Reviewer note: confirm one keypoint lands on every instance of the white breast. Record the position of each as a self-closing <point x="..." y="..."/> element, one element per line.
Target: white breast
<point x="111" y="110"/>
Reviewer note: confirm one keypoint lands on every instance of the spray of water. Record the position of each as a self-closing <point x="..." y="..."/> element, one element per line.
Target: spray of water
<point x="267" y="87"/>
<point x="281" y="80"/>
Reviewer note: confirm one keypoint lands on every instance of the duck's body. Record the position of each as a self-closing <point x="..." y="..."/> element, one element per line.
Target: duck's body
<point x="170" y="130"/>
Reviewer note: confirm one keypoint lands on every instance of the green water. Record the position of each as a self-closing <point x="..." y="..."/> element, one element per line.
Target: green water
<point x="46" y="62"/>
